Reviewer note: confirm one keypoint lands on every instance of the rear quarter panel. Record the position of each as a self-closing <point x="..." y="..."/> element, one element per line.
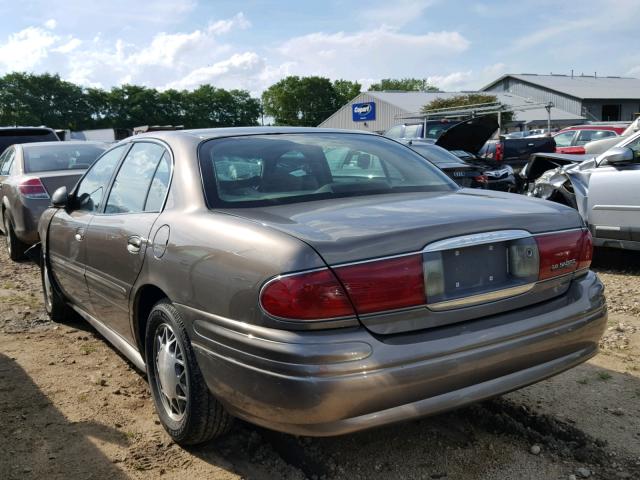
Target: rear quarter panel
<point x="218" y="263"/>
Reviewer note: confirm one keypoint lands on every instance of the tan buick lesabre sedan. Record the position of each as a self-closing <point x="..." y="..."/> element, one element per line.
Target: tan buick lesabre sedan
<point x="316" y="282"/>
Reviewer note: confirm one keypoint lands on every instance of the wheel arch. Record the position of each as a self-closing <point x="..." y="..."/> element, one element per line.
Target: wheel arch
<point x="146" y="297"/>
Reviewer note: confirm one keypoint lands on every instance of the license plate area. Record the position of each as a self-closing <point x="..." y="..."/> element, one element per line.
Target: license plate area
<point x="495" y="267"/>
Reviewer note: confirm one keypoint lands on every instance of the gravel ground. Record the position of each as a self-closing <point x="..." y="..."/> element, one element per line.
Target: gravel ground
<point x="71" y="407"/>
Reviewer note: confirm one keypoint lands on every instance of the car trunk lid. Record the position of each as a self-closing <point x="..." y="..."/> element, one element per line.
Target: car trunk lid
<point x="361" y="229"/>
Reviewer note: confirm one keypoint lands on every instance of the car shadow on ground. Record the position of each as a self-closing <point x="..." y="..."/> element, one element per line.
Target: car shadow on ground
<point x="39" y="442"/>
<point x="490" y="439"/>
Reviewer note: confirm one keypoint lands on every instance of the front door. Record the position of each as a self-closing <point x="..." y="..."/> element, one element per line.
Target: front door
<point x="614" y="199"/>
<point x="117" y="238"/>
<point x="68" y="228"/>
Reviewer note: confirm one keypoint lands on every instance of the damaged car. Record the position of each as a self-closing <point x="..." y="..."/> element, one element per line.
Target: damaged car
<point x="604" y="190"/>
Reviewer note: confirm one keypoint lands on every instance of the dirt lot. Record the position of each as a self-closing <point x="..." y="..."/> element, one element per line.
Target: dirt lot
<point x="71" y="407"/>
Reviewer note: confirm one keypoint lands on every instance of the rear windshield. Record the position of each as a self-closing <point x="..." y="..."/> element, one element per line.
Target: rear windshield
<point x="262" y="170"/>
<point x="47" y="158"/>
<point x="10" y="137"/>
<point x="436" y="155"/>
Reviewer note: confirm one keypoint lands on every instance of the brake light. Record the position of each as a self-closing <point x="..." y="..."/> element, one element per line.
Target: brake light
<point x="384" y="284"/>
<point x="499" y="155"/>
<point x="32" y="188"/>
<point x="315" y="295"/>
<point x="481" y="179"/>
<point x="586" y="253"/>
<point x="561" y="253"/>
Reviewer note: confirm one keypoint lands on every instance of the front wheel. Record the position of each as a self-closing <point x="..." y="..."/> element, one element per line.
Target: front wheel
<point x="187" y="410"/>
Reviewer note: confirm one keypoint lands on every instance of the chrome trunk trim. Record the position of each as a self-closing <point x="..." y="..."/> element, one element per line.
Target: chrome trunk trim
<point x="476" y="239"/>
<point x="481" y="298"/>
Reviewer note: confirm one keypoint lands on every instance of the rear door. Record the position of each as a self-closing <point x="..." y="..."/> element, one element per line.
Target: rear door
<point x="614" y="199"/>
<point x="68" y="228"/>
<point x="117" y="237"/>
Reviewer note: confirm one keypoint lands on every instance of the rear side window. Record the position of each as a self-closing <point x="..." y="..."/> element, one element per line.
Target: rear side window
<point x="159" y="185"/>
<point x="39" y="158"/>
<point x="412" y="131"/>
<point x="7" y="163"/>
<point x="394" y="132"/>
<point x="262" y="170"/>
<point x="91" y="188"/>
<point x="132" y="183"/>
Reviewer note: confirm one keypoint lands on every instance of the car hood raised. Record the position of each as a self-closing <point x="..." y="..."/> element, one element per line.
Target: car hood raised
<point x="358" y="228"/>
<point x="469" y="135"/>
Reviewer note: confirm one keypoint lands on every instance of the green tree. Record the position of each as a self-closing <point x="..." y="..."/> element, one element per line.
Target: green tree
<point x="345" y="91"/>
<point x="28" y="99"/>
<point x="304" y="101"/>
<point x="404" y="85"/>
<point x="465" y="100"/>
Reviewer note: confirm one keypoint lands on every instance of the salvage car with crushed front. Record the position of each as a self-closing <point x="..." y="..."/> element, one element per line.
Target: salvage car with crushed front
<point x="251" y="277"/>
<point x="604" y="190"/>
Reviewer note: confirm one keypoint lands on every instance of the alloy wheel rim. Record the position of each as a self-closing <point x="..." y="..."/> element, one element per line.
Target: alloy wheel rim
<point x="170" y="373"/>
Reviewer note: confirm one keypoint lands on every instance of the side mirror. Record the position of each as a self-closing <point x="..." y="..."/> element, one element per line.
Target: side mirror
<point x="60" y="197"/>
<point x="617" y="155"/>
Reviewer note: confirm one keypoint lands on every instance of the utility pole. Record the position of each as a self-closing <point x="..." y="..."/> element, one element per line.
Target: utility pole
<point x="548" y="107"/>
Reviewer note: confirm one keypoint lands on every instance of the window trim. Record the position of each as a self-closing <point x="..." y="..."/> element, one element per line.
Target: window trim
<point x="109" y="187"/>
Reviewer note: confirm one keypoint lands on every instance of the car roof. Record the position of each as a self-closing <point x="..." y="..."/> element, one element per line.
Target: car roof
<point x="594" y="127"/>
<point x="26" y="128"/>
<point x="62" y="144"/>
<point x="209" y="133"/>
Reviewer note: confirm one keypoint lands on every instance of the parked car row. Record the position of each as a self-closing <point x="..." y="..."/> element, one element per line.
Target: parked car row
<point x="282" y="275"/>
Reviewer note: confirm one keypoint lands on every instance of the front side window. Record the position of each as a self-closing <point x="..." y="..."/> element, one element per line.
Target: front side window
<point x="91" y="188"/>
<point x="130" y="188"/>
<point x="270" y="169"/>
<point x="38" y="158"/>
<point x="564" y="139"/>
<point x="634" y="145"/>
<point x="412" y="131"/>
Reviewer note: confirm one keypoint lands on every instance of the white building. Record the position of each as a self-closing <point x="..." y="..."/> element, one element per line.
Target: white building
<point x="379" y="111"/>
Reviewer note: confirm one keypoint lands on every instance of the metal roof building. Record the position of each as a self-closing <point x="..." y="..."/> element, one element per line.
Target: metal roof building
<point x="593" y="97"/>
<point x="379" y="111"/>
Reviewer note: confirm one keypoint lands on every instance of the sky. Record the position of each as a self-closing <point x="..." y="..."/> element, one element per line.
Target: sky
<point x="455" y="44"/>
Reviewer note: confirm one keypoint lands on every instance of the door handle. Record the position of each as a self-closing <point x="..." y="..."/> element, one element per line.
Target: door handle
<point x="134" y="244"/>
<point x="79" y="236"/>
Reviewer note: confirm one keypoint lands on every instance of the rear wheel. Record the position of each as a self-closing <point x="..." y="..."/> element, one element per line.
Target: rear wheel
<point x="187" y="410"/>
<point x="15" y="248"/>
<point x="54" y="303"/>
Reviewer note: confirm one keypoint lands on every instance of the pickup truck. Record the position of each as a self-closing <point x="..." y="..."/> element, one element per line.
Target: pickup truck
<point x="515" y="152"/>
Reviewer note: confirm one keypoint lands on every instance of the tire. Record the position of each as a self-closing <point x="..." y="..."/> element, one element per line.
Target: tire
<point x="15" y="248"/>
<point x="192" y="415"/>
<point x="54" y="302"/>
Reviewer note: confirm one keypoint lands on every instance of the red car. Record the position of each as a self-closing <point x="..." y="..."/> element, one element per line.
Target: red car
<point x="573" y="139"/>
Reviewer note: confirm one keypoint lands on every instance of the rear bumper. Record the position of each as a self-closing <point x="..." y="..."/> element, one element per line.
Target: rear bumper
<point x="344" y="380"/>
<point x="25" y="220"/>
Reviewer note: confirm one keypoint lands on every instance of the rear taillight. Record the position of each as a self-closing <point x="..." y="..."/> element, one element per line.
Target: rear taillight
<point x="32" y="188"/>
<point x="481" y="179"/>
<point x="499" y="155"/>
<point x="384" y="284"/>
<point x="315" y="295"/>
<point x="586" y="253"/>
<point x="562" y="253"/>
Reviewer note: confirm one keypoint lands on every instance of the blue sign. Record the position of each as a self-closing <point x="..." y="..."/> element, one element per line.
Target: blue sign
<point x="361" y="112"/>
